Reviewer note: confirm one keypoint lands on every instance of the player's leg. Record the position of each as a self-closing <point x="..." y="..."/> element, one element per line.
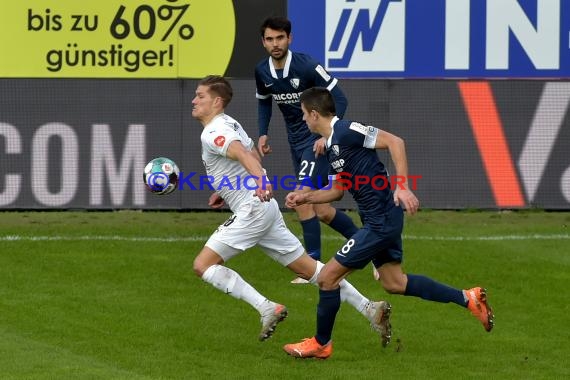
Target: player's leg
<point x="336" y="219"/>
<point x="311" y="230"/>
<point x="320" y="345"/>
<point x="340" y="222"/>
<point x="389" y="259"/>
<point x="306" y="214"/>
<point x="208" y="266"/>
<point x="356" y="253"/>
<point x="281" y="245"/>
<point x="227" y="242"/>
<point x="395" y="281"/>
<point x="307" y="268"/>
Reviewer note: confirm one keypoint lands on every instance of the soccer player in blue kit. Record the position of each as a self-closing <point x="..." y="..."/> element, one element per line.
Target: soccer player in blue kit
<point x="351" y="151"/>
<point x="282" y="77"/>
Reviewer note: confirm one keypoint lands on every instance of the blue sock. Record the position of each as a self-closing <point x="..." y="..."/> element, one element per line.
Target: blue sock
<point x="312" y="237"/>
<point x="428" y="289"/>
<point x="329" y="303"/>
<point x="343" y="224"/>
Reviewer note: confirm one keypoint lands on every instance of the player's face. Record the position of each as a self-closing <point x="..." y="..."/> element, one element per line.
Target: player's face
<point x="203" y="103"/>
<point x="276" y="42"/>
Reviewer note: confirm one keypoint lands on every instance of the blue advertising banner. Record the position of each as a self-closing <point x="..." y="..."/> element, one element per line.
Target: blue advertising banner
<point x="435" y="38"/>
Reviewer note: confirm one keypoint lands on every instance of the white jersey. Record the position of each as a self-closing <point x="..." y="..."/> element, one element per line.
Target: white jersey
<point x="228" y="177"/>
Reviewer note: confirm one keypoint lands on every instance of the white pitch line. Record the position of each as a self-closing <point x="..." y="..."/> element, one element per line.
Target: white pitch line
<point x="17" y="238"/>
<point x="10" y="238"/>
<point x="491" y="238"/>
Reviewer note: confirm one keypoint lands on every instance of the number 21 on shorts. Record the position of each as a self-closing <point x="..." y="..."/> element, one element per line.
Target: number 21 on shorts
<point x="307" y="165"/>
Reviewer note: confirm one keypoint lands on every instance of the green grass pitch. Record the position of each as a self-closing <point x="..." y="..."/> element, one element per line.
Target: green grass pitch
<point x="112" y="295"/>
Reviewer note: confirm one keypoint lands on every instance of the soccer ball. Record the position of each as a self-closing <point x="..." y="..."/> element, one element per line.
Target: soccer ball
<point x="161" y="176"/>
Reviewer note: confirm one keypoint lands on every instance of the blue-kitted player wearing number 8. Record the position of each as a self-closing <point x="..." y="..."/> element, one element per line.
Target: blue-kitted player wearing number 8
<point x="282" y="77"/>
<point x="351" y="151"/>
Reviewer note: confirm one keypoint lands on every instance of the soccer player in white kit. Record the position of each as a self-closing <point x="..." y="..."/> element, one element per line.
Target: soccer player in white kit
<point x="238" y="177"/>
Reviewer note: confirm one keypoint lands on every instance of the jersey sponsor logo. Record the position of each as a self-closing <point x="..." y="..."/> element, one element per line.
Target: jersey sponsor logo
<point x="220" y="141"/>
<point x="362" y="129"/>
<point x="323" y="73"/>
<point x="338" y="165"/>
<point x="268" y="85"/>
<point x="287" y="98"/>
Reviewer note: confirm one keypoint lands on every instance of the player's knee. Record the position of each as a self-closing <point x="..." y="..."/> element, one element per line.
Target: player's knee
<point x="305" y="212"/>
<point x="198" y="272"/>
<point x="393" y="286"/>
<point x="325" y="213"/>
<point x="199" y="268"/>
<point x="326" y="283"/>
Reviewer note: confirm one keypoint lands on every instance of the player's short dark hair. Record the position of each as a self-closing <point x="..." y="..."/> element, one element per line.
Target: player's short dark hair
<point x="220" y="86"/>
<point x="276" y="23"/>
<point x="320" y="100"/>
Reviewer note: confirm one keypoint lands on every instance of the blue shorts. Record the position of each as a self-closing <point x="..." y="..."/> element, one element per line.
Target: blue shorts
<point x="380" y="242"/>
<point x="310" y="171"/>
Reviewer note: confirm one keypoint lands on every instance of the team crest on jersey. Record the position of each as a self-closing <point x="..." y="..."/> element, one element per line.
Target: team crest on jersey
<point x="335" y="149"/>
<point x="219" y="141"/>
<point x="295" y="83"/>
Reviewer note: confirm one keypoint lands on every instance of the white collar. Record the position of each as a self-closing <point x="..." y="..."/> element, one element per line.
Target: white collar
<point x="333" y="121"/>
<point x="285" y="69"/>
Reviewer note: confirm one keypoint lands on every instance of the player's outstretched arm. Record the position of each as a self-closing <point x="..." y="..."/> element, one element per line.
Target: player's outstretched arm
<point x="334" y="193"/>
<point x="397" y="148"/>
<point x="236" y="151"/>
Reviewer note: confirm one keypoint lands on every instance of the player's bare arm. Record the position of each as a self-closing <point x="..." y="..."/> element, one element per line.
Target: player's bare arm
<point x="257" y="155"/>
<point x="236" y="151"/>
<point x="319" y="146"/>
<point x="264" y="116"/>
<point x="263" y="146"/>
<point x="397" y="148"/>
<point x="334" y="193"/>
<point x="215" y="201"/>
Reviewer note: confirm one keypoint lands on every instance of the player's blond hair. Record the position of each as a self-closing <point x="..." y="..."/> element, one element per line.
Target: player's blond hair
<point x="219" y="86"/>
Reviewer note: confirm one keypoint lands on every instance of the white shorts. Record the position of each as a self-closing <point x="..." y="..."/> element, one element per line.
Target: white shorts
<point x="256" y="223"/>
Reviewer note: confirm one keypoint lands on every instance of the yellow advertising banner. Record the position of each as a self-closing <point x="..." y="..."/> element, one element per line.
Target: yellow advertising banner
<point x="116" y="39"/>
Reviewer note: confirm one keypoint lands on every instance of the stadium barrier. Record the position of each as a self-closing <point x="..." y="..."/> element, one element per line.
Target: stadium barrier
<point x="83" y="143"/>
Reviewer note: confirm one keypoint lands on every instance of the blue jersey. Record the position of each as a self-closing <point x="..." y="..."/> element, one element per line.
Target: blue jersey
<point x="285" y="87"/>
<point x="350" y="150"/>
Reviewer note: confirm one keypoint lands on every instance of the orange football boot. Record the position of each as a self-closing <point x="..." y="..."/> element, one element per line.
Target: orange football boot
<point x="309" y="348"/>
<point x="477" y="304"/>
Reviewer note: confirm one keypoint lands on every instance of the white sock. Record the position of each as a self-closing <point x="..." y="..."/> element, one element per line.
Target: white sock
<point x="348" y="293"/>
<point x="230" y="282"/>
<point x="313" y="279"/>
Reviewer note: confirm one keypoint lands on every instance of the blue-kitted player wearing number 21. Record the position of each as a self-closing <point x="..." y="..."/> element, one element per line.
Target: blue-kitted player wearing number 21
<point x="282" y="77"/>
